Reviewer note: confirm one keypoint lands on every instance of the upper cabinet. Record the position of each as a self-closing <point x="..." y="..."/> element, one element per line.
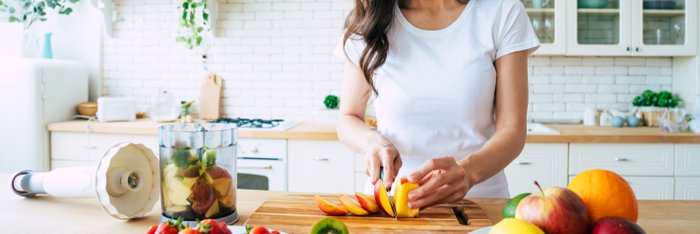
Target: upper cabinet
<point x="631" y="28"/>
<point x="548" y="21"/>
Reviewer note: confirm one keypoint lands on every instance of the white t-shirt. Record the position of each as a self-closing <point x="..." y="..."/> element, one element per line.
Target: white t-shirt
<point x="436" y="88"/>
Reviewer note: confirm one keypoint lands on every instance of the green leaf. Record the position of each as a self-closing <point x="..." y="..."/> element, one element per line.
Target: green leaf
<point x="11" y="10"/>
<point x="198" y="40"/>
<point x="185" y="5"/>
<point x="205" y="16"/>
<point x="66" y="11"/>
<point x="200" y="29"/>
<point x="180" y="39"/>
<point x="13" y="19"/>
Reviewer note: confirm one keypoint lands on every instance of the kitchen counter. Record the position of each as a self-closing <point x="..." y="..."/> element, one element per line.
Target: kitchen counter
<point x="83" y="215"/>
<point x="327" y="131"/>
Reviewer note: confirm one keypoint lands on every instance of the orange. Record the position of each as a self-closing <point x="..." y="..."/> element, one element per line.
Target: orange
<point x="605" y="194"/>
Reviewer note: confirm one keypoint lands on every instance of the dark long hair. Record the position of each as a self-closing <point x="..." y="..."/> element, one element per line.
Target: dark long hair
<point x="371" y="20"/>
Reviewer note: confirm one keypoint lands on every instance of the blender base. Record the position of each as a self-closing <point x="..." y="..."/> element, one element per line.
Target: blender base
<point x="230" y="219"/>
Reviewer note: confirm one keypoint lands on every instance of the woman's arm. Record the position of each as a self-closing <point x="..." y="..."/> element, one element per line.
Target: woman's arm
<point x="444" y="179"/>
<point x="354" y="133"/>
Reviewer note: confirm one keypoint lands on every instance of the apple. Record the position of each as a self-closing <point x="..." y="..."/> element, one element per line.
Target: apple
<point x="616" y="226"/>
<point x="382" y="198"/>
<point x="351" y="206"/>
<point x="329" y="208"/>
<point x="367" y="202"/>
<point x="555" y="210"/>
<point x="401" y="199"/>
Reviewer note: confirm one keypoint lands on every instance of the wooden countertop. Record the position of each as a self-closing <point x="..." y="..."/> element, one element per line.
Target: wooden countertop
<point x="327" y="131"/>
<point x="45" y="214"/>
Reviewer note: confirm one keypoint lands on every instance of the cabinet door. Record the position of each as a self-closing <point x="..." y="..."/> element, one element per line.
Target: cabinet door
<point x="624" y="159"/>
<point x="687" y="159"/>
<point x="69" y="146"/>
<point x="649" y="188"/>
<point x="320" y="167"/>
<point x="687" y="188"/>
<point x="548" y="20"/>
<point x="598" y="29"/>
<point x="664" y="28"/>
<point x="546" y="163"/>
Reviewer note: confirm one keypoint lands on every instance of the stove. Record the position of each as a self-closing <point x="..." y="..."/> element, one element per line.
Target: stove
<point x="259" y="124"/>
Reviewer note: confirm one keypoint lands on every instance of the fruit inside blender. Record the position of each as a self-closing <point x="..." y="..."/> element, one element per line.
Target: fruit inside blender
<point x="196" y="185"/>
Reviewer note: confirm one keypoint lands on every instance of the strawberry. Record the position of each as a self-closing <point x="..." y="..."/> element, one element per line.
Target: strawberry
<point x="168" y="227"/>
<point x="152" y="229"/>
<point x="189" y="230"/>
<point x="259" y="230"/>
<point x="211" y="226"/>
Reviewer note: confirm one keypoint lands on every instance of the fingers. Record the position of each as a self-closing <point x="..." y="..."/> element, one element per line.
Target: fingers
<point x="425" y="190"/>
<point x="446" y="193"/>
<point x="390" y="169"/>
<point x="374" y="167"/>
<point x="429" y="166"/>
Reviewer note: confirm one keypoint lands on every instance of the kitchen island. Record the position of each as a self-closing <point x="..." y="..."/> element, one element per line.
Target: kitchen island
<point x="44" y="214"/>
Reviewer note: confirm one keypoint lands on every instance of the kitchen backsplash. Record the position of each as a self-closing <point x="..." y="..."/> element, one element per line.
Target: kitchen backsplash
<point x="276" y="60"/>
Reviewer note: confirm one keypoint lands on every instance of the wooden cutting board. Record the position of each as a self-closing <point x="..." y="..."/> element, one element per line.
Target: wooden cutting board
<point x="297" y="213"/>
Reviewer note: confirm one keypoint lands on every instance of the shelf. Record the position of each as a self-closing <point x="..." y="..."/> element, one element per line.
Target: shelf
<point x="608" y="11"/>
<point x="678" y="12"/>
<point x="540" y="10"/>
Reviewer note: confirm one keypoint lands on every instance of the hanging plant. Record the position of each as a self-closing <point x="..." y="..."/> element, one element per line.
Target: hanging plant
<point x="28" y="11"/>
<point x="194" y="22"/>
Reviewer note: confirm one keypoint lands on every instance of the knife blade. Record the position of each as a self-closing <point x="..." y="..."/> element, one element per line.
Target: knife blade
<point x="462" y="218"/>
<point x="389" y="194"/>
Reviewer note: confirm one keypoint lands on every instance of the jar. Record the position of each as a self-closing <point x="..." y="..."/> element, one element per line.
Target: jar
<point x="591" y="116"/>
<point x="198" y="172"/>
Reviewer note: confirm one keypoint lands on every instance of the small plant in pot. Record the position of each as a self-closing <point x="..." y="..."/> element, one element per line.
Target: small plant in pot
<point x="652" y="105"/>
<point x="330" y="111"/>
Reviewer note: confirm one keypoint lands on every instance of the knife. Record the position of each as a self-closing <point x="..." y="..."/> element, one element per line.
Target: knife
<point x="389" y="193"/>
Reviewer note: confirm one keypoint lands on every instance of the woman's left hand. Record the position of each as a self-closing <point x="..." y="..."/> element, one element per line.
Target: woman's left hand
<point x="442" y="180"/>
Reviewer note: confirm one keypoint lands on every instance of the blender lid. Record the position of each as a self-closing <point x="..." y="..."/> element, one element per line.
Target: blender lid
<point x="127" y="181"/>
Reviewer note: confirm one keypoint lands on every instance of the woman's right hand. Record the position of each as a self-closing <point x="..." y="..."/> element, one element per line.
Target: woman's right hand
<point x="382" y="156"/>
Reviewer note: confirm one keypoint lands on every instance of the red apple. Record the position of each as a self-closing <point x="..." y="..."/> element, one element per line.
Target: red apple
<point x="555" y="210"/>
<point x="616" y="226"/>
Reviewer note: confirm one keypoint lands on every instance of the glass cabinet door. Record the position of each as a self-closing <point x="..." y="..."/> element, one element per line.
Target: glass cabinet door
<point x="600" y="27"/>
<point x="547" y="19"/>
<point x="664" y="27"/>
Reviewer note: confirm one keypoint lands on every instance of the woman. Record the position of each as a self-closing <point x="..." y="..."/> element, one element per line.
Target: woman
<point x="450" y="84"/>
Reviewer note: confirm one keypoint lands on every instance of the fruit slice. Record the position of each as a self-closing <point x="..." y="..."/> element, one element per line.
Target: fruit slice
<point x="351" y="206"/>
<point x="401" y="199"/>
<point x="213" y="209"/>
<point x="367" y="202"/>
<point x="329" y="208"/>
<point x="329" y="225"/>
<point x="382" y="198"/>
<point x="509" y="208"/>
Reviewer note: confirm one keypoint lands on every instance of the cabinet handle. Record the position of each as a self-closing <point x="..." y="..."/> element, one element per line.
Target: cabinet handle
<point x="268" y="167"/>
<point x="621" y="159"/>
<point x="629" y="48"/>
<point x="90" y="147"/>
<point x="636" y="49"/>
<point x="321" y="159"/>
<point x="522" y="163"/>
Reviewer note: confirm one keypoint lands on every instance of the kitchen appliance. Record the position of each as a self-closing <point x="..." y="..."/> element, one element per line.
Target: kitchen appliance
<point x="36" y="92"/>
<point x="276" y="214"/>
<point x="111" y="109"/>
<point x="198" y="172"/>
<point x="125" y="181"/>
<point x="260" y="124"/>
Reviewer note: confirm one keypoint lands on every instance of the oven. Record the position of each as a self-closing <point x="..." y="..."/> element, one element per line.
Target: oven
<point x="262" y="164"/>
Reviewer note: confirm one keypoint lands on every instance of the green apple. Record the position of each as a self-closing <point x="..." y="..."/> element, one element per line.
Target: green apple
<point x="509" y="208"/>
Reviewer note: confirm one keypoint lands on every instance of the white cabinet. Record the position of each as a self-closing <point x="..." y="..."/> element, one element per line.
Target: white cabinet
<point x="70" y="149"/>
<point x="629" y="28"/>
<point x="549" y="22"/>
<point x="320" y="166"/>
<point x="624" y="159"/>
<point x="687" y="159"/>
<point x="546" y="163"/>
<point x="687" y="188"/>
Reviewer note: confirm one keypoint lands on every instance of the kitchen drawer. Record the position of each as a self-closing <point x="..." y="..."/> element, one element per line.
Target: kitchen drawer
<point x="624" y="159"/>
<point x="320" y="167"/>
<point x="650" y="188"/>
<point x="687" y="159"/>
<point x="69" y="146"/>
<point x="262" y="148"/>
<point x="545" y="163"/>
<point x="687" y="188"/>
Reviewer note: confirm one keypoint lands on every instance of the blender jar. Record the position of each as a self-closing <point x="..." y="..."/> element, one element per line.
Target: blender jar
<point x="198" y="171"/>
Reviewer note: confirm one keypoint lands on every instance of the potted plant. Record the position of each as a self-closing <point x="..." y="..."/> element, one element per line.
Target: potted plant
<point x="330" y="111"/>
<point x="28" y="12"/>
<point x="195" y="23"/>
<point x="652" y="105"/>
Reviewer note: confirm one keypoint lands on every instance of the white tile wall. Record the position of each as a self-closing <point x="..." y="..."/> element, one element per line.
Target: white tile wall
<point x="276" y="60"/>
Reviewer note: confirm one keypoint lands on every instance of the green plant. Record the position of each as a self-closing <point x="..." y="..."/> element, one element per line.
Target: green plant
<point x="331" y="102"/>
<point x="30" y="11"/>
<point x="194" y="21"/>
<point x="660" y="99"/>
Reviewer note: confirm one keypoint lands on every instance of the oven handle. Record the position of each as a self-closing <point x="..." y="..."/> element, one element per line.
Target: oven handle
<point x="268" y="167"/>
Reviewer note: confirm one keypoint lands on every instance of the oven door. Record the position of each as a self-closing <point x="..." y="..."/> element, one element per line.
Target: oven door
<point x="262" y="174"/>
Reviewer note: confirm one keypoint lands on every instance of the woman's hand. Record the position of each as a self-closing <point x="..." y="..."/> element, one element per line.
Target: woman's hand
<point x="442" y="180"/>
<point x="384" y="155"/>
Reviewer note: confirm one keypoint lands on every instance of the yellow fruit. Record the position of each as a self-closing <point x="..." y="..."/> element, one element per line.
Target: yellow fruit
<point x="511" y="225"/>
<point x="605" y="194"/>
<point x="401" y="199"/>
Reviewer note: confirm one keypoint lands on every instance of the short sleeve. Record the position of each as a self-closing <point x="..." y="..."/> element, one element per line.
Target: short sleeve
<point x="352" y="50"/>
<point x="515" y="31"/>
